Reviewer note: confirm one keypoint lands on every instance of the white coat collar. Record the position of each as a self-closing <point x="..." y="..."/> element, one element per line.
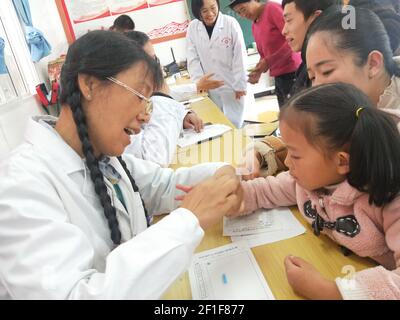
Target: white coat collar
<point x="53" y="145"/>
<point x="219" y="24"/>
<point x="56" y="149"/>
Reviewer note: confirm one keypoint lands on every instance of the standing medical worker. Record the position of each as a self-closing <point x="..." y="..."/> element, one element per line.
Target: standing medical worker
<point x="74" y="214"/>
<point x="215" y="44"/>
<point x="275" y="53"/>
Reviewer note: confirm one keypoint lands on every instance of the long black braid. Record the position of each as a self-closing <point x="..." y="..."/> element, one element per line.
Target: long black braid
<point x="93" y="164"/>
<point x="100" y="54"/>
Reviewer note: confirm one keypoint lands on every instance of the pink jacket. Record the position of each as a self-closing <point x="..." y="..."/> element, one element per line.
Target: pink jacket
<point x="378" y="237"/>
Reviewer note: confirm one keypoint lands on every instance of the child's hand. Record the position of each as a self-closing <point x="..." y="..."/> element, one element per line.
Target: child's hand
<point x="214" y="198"/>
<point x="308" y="282"/>
<point x="250" y="166"/>
<point x="241" y="209"/>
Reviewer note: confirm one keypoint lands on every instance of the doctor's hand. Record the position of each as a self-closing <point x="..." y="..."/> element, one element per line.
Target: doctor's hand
<point x="239" y="94"/>
<point x="223" y="171"/>
<point x="308" y="282"/>
<point x="250" y="166"/>
<point x="193" y="121"/>
<point x="206" y="83"/>
<point x="213" y="198"/>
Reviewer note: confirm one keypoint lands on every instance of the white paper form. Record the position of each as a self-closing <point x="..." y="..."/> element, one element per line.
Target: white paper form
<point x="291" y="227"/>
<point x="187" y="103"/>
<point x="258" y="222"/>
<point x="228" y="273"/>
<point x="190" y="136"/>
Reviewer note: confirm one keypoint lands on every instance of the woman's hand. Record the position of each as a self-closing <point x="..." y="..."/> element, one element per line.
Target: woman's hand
<point x="254" y="77"/>
<point x="308" y="282"/>
<point x="225" y="170"/>
<point x="250" y="167"/>
<point x="261" y="67"/>
<point x="193" y="121"/>
<point x="206" y="83"/>
<point x="239" y="94"/>
<point x="214" y="198"/>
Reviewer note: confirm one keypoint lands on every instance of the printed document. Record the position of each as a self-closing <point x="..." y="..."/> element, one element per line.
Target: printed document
<point x="228" y="273"/>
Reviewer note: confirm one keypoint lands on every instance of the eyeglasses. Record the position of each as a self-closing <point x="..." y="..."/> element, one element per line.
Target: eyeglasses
<point x="149" y="103"/>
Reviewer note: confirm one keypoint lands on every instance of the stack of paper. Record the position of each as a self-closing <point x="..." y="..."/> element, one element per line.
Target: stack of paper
<point x="263" y="226"/>
<point x="187" y="103"/>
<point x="228" y="273"/>
<point x="190" y="136"/>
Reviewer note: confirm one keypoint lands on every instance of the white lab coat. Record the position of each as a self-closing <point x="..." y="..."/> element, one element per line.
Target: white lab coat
<point x="54" y="238"/>
<point x="159" y="137"/>
<point x="225" y="56"/>
<point x="182" y="92"/>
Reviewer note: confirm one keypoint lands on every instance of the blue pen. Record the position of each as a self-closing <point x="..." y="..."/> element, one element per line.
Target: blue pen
<point x="224" y="278"/>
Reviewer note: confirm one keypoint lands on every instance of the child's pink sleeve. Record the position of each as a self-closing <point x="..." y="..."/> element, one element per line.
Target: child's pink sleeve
<point x="269" y="192"/>
<point x="380" y="283"/>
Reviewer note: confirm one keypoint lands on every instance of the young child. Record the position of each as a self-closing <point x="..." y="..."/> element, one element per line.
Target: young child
<point x="344" y="175"/>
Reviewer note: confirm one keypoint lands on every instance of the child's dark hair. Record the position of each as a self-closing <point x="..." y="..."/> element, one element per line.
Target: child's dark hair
<point x="309" y="7"/>
<point x="393" y="5"/>
<point x="139" y="37"/>
<point x="100" y="54"/>
<point x="369" y="35"/>
<point x="196" y="7"/>
<point x="123" y="23"/>
<point x="330" y="118"/>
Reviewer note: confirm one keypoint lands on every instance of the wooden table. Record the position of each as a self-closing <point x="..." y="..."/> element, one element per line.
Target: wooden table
<point x="267" y="116"/>
<point x="228" y="148"/>
<point x="320" y="251"/>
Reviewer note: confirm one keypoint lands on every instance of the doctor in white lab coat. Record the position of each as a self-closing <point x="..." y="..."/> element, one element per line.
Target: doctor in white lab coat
<point x="158" y="139"/>
<point x="215" y="44"/>
<point x="179" y="92"/>
<point x="74" y="217"/>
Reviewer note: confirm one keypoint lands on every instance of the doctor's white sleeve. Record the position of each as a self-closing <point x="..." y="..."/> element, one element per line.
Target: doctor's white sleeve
<point x="193" y="59"/>
<point x="44" y="255"/>
<point x="158" y="139"/>
<point x="158" y="185"/>
<point x="239" y="61"/>
<point x="183" y="92"/>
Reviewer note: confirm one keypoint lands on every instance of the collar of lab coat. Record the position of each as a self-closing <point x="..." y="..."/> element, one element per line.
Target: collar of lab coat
<point x="218" y="25"/>
<point x="53" y="145"/>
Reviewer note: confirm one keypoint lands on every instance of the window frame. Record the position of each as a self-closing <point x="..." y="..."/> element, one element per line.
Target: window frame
<point x="27" y="77"/>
